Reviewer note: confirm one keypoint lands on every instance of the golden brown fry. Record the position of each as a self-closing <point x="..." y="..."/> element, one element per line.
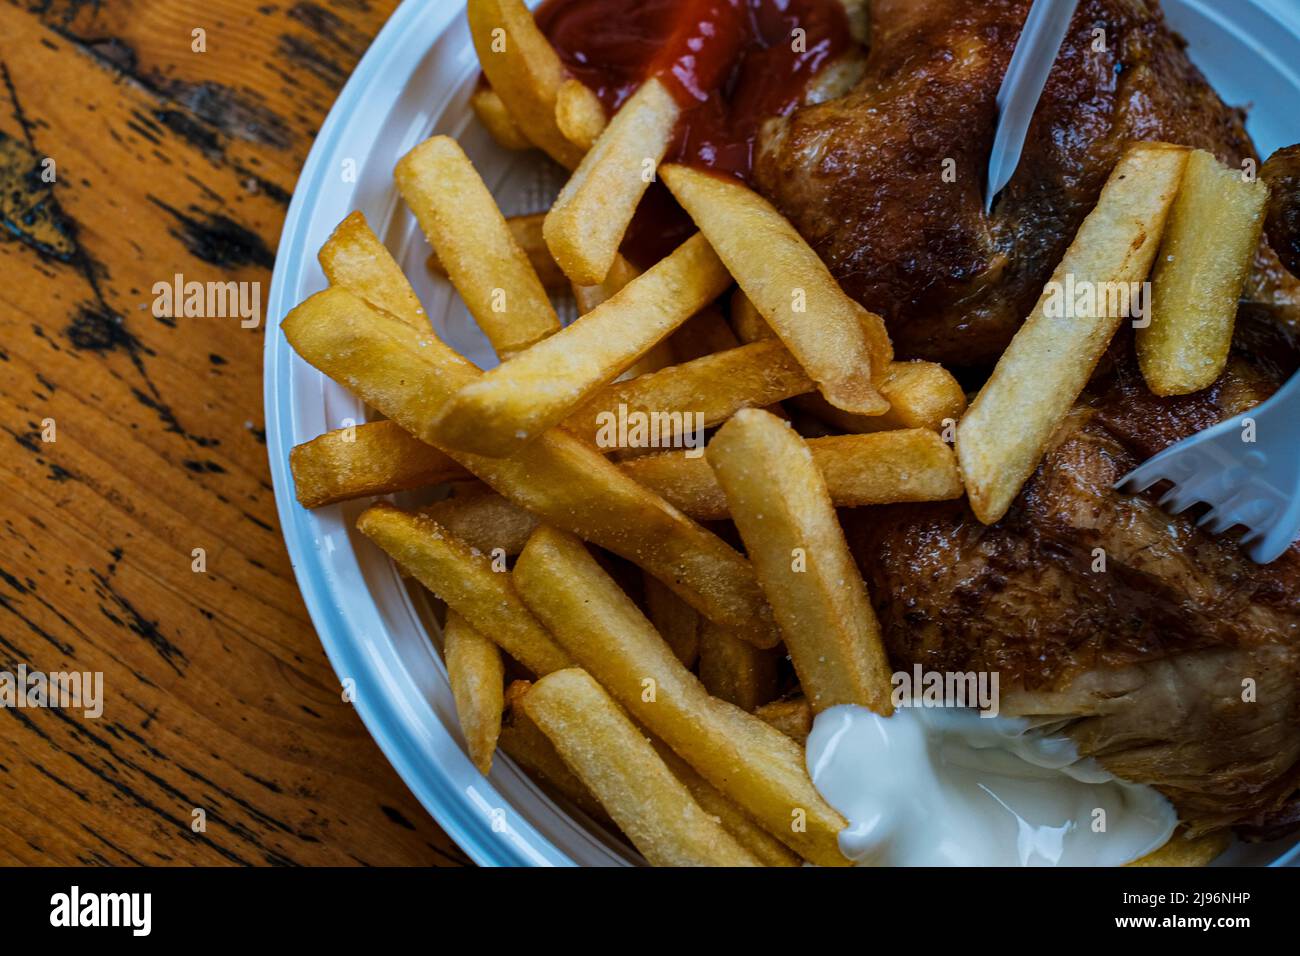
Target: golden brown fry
<point x="616" y="762"/>
<point x="1184" y="851"/>
<point x="475" y="245"/>
<point x="792" y="717"/>
<point x="1002" y="436"/>
<point x="769" y="850"/>
<point x="579" y="114"/>
<point x="881" y="468"/>
<point x="779" y="502"/>
<point x="676" y="621"/>
<point x="843" y="347"/>
<point x="466" y="580"/>
<point x="485" y="521"/>
<point x="525" y="71"/>
<point x="755" y="765"/>
<point x="477" y="676"/>
<point x="525" y="744"/>
<point x="747" y="321"/>
<point x="492" y="113"/>
<point x="376" y="458"/>
<point x="920" y="395"/>
<point x="587" y="297"/>
<point x="585" y="227"/>
<point x="406" y="375"/>
<point x="705" y="392"/>
<point x="527" y="230"/>
<point x="1206" y="255"/>
<point x="735" y="670"/>
<point x="354" y="258"/>
<point x="538" y="388"/>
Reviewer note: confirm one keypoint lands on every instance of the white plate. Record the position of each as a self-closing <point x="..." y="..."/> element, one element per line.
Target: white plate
<point x="414" y="81"/>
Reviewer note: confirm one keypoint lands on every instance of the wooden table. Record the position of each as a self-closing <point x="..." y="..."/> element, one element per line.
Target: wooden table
<point x="217" y="695"/>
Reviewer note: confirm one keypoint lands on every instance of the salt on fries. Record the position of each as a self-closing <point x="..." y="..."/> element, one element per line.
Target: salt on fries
<point x="478" y="680"/>
<point x="466" y="580"/>
<point x="1004" y="433"/>
<point x="475" y="245"/>
<point x="527" y="233"/>
<point x="612" y="757"/>
<point x="525" y="72"/>
<point x="586" y="225"/>
<point x="408" y="376"/>
<point x="377" y="458"/>
<point x="778" y="499"/>
<point x="755" y="765"/>
<point x="876" y="469"/>
<point x="1206" y="256"/>
<point x="517" y="401"/>
<point x="843" y="348"/>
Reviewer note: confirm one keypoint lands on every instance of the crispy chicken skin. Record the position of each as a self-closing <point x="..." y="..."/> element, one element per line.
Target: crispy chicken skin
<point x="862" y="176"/>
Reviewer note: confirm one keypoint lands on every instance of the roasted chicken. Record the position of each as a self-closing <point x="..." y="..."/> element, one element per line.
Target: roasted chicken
<point x="1176" y="659"/>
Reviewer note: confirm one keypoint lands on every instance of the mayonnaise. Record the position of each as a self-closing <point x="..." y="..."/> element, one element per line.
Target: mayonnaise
<point x="946" y="787"/>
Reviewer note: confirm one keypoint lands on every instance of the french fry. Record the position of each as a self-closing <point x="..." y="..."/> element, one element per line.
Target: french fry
<point x="492" y="113"/>
<point x="525" y="71"/>
<point x="485" y="521"/>
<point x="735" y="670"/>
<point x="881" y="468"/>
<point x="706" y="391"/>
<point x="466" y="580"/>
<point x="792" y="717"/>
<point x="377" y="458"/>
<point x="354" y="258"/>
<point x="920" y="394"/>
<point x="523" y="741"/>
<point x="527" y="231"/>
<point x="779" y="502"/>
<point x="579" y="114"/>
<point x="1206" y="255"/>
<point x="1182" y="850"/>
<point x="587" y="297"/>
<point x="620" y="767"/>
<point x="843" y="347"/>
<point x="747" y="321"/>
<point x="538" y="388"/>
<point x="676" y="621"/>
<point x="475" y="245"/>
<point x="769" y="850"/>
<point x="753" y="764"/>
<point x="1003" y="434"/>
<point x="586" y="225"/>
<point x="400" y="371"/>
<point x="477" y="676"/>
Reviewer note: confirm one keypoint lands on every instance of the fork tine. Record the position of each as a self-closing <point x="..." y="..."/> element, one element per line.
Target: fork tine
<point x="1142" y="477"/>
<point x="1218" y="520"/>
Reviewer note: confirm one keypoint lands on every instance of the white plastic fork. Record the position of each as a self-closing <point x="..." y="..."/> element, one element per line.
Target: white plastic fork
<point x="1254" y="483"/>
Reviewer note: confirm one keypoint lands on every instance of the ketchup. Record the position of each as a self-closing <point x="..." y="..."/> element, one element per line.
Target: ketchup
<point x="730" y="64"/>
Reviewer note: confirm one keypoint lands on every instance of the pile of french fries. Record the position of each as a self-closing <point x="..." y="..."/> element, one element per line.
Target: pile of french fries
<point x="654" y="701"/>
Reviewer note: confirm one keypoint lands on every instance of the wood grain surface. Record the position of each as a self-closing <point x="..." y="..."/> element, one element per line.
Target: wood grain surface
<point x="217" y="695"/>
